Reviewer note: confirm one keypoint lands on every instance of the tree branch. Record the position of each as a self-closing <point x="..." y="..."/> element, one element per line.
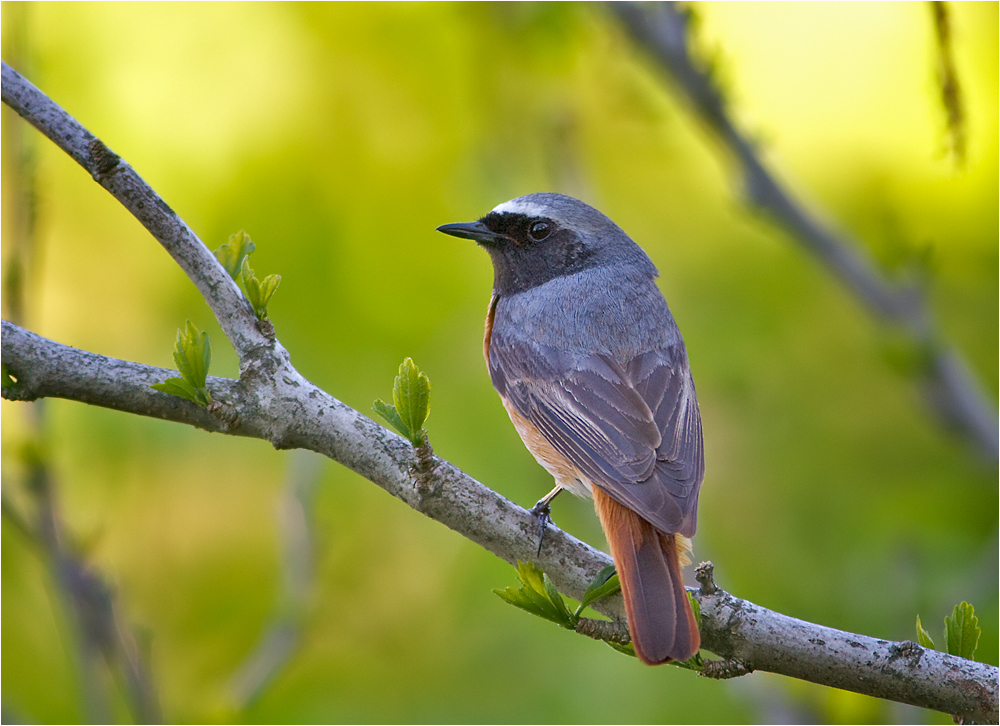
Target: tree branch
<point x="738" y="630"/>
<point x="949" y="385"/>
<point x="117" y="177"/>
<point x="272" y="401"/>
<point x="290" y="412"/>
<point x="750" y="638"/>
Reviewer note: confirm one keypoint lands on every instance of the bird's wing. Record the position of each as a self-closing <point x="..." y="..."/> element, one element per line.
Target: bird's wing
<point x="633" y="429"/>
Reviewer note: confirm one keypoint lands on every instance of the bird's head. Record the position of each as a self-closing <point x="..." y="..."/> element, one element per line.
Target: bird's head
<point x="539" y="237"/>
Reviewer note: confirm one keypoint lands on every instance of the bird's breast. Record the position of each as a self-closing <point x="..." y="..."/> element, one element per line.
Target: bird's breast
<point x="566" y="475"/>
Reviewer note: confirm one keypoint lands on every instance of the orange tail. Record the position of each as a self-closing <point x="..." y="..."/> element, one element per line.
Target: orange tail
<point x="660" y="620"/>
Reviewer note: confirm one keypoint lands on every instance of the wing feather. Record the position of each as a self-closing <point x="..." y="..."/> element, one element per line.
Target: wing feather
<point x="632" y="428"/>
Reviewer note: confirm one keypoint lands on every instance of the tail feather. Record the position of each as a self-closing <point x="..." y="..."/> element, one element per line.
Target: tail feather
<point x="660" y="620"/>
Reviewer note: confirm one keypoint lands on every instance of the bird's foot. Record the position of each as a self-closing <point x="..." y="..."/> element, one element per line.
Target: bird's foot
<point x="543" y="513"/>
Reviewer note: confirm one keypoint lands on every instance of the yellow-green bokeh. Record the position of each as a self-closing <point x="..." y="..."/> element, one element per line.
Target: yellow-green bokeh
<point x="339" y="136"/>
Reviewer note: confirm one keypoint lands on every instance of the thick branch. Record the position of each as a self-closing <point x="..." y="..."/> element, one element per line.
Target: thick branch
<point x="44" y="369"/>
<point x="297" y="414"/>
<point x="755" y="638"/>
<point x="950" y="387"/>
<point x="114" y="174"/>
<point x="290" y="412"/>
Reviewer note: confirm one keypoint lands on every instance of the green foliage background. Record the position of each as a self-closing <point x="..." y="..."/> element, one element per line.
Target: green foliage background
<point x="339" y="136"/>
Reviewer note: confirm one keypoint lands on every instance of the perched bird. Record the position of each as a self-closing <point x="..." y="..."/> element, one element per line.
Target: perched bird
<point x="591" y="368"/>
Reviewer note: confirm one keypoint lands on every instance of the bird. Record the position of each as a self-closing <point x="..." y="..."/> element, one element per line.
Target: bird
<point x="594" y="374"/>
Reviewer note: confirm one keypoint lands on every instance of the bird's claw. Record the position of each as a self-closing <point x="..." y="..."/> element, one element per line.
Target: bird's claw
<point x="542" y="513"/>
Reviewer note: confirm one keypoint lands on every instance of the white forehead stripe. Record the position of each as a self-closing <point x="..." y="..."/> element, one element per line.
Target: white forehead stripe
<point x="516" y="206"/>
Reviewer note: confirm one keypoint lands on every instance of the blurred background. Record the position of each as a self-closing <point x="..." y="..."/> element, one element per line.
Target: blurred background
<point x="267" y="585"/>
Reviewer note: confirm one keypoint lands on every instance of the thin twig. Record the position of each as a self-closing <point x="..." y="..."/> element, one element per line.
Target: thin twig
<point x="948" y="383"/>
<point x="609" y="631"/>
<point x="721" y="670"/>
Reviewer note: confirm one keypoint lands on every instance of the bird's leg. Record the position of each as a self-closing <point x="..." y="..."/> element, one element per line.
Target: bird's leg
<point x="541" y="512"/>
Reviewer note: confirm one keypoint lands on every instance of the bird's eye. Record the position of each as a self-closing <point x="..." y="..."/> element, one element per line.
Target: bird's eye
<point x="539" y="230"/>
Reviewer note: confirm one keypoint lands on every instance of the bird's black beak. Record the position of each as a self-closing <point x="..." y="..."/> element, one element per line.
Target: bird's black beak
<point x="476" y="231"/>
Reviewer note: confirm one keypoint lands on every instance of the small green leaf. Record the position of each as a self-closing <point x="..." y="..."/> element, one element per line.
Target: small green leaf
<point x="258" y="293"/>
<point x="519" y="598"/>
<point x="267" y="287"/>
<point x="528" y="601"/>
<point x="695" y="608"/>
<point x="389" y="413"/>
<point x="604" y="583"/>
<point x="193" y="356"/>
<point x="232" y="254"/>
<point x="537" y="586"/>
<point x="235" y="257"/>
<point x="411" y="393"/>
<point x="961" y="631"/>
<point x="251" y="286"/>
<point x="923" y="637"/>
<point x="530" y="577"/>
<point x="557" y="601"/>
<point x="538" y="596"/>
<point x="178" y="387"/>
